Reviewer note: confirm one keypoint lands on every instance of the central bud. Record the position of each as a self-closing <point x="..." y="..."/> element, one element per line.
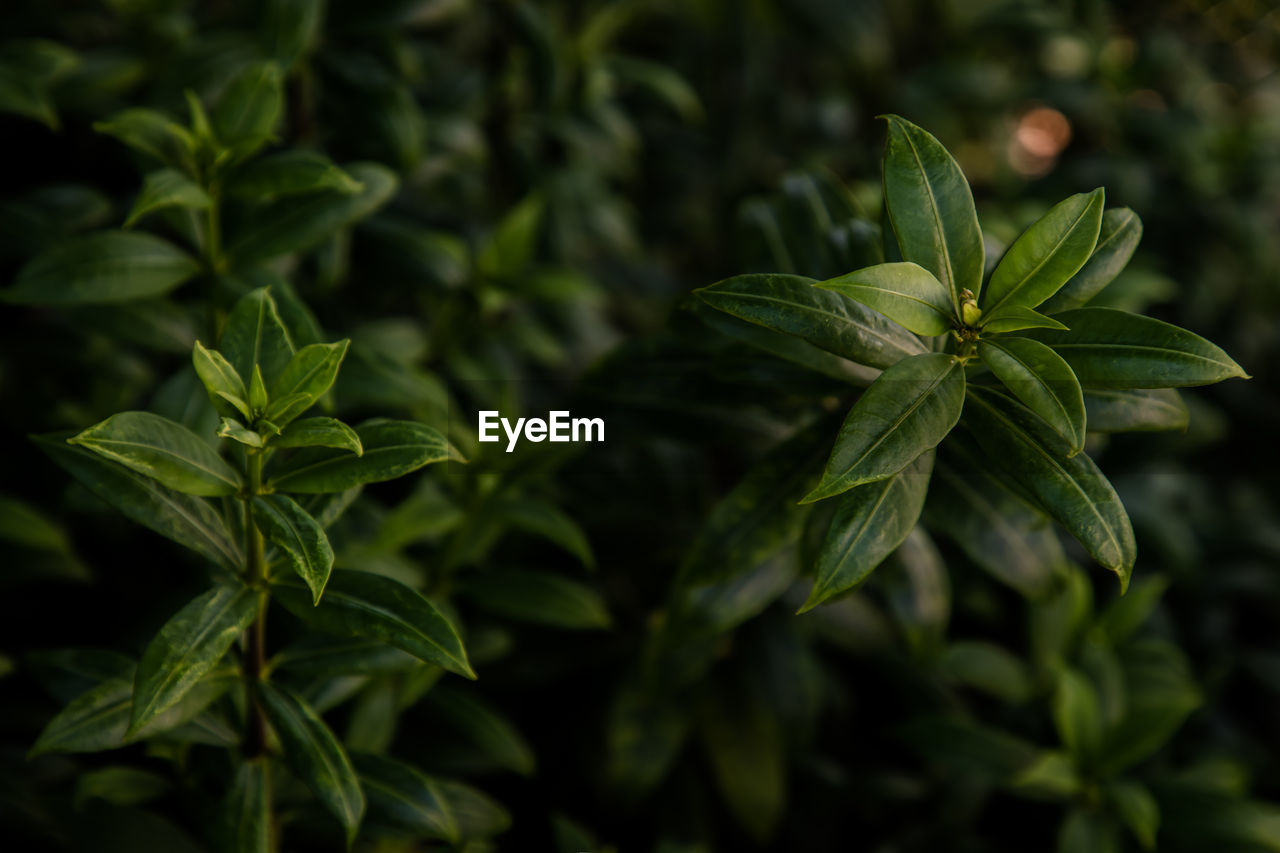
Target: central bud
<point x="970" y="313"/>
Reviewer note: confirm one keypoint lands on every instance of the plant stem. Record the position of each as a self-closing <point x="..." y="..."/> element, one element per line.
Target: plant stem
<point x="255" y="641"/>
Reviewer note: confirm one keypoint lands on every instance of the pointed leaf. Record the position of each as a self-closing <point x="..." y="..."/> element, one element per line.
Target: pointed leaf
<point x="188" y="646"/>
<point x="1119" y="237"/>
<point x="542" y="519"/>
<point x="225" y="386"/>
<point x="1016" y="318"/>
<point x="283" y="410"/>
<point x="1046" y="256"/>
<point x="1077" y="715"/>
<point x="484" y="728"/>
<point x="1137" y="809"/>
<point x="538" y="597"/>
<point x="254" y="335"/>
<point x="1042" y="380"/>
<point x="906" y="293"/>
<point x="300" y="536"/>
<point x="908" y="410"/>
<point x="1107" y="348"/>
<point x="319" y="432"/>
<point x="404" y="798"/>
<point x="869" y="524"/>
<point x="790" y="304"/>
<point x="315" y="754"/>
<point x="237" y="431"/>
<point x="189" y="521"/>
<point x="1135" y="410"/>
<point x="362" y="604"/>
<point x="251" y="106"/>
<point x="106" y="266"/>
<point x="1069" y="488"/>
<point x="258" y="396"/>
<point x="155" y="134"/>
<point x="163" y="450"/>
<point x="244" y="820"/>
<point x="166" y="188"/>
<point x="931" y="208"/>
<point x="310" y="372"/>
<point x="289" y="173"/>
<point x="391" y="449"/>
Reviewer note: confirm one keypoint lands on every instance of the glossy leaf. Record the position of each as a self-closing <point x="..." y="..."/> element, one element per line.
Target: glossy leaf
<point x="1068" y="487"/>
<point x="302" y="539"/>
<point x="314" y="754"/>
<point x="309" y="373"/>
<point x="250" y="107"/>
<point x="1135" y="410"/>
<point x="319" y="432"/>
<point x="226" y="388"/>
<point x="283" y="410"/>
<point x="406" y="799"/>
<point x="297" y="224"/>
<point x="255" y="336"/>
<point x="236" y="431"/>
<point x="391" y="449"/>
<point x="908" y="410"/>
<point x="289" y="173"/>
<point x="790" y="304"/>
<point x="931" y="208"/>
<point x="361" y="604"/>
<point x="1117" y="350"/>
<point x="155" y="134"/>
<point x="1117" y="240"/>
<point x="1017" y="318"/>
<point x="167" y="188"/>
<point x="1046" y="256"/>
<point x="1040" y="379"/>
<point x="189" y="645"/>
<point x="539" y="597"/>
<point x="163" y="450"/>
<point x="870" y="522"/>
<point x="106" y="266"/>
<point x="906" y="293"/>
<point x="244" y="819"/>
<point x="187" y="520"/>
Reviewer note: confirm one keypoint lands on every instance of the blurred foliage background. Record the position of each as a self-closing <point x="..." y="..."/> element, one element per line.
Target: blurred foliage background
<point x="565" y="173"/>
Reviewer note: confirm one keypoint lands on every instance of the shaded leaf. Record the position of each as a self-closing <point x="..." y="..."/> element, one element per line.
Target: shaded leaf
<point x="538" y="597"/>
<point x="303" y="540"/>
<point x="106" y="266"/>
<point x="163" y="450"/>
<point x="1040" y="379"/>
<point x="1118" y="238"/>
<point x="906" y="293"/>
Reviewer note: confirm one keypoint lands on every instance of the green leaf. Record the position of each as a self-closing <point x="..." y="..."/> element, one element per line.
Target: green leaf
<point x="1137" y="809"/>
<point x="188" y="646"/>
<point x="538" y="597"/>
<point x="319" y="432"/>
<point x="236" y="431"/>
<point x="510" y="248"/>
<point x="483" y="728"/>
<point x="155" y="134"/>
<point x="406" y="799"/>
<point x="315" y="755"/>
<point x="908" y="410"/>
<point x="1047" y="254"/>
<point x="309" y="373"/>
<point x="790" y="304"/>
<point x="1068" y="487"/>
<point x="931" y="208"/>
<point x="255" y="336"/>
<point x="250" y="108"/>
<point x="989" y="668"/>
<point x="163" y="450"/>
<point x="1114" y="349"/>
<point x="1119" y="237"/>
<point x="477" y="814"/>
<point x="244" y="819"/>
<point x="1042" y="380"/>
<point x="362" y="604"/>
<point x="906" y="293"/>
<point x="122" y="786"/>
<point x="869" y="524"/>
<point x="975" y="750"/>
<point x="289" y="173"/>
<point x="258" y="396"/>
<point x="1161" y="695"/>
<point x="744" y="741"/>
<point x="282" y="410"/>
<point x="1051" y="775"/>
<point x="164" y="189"/>
<point x="391" y="449"/>
<point x="1127" y="613"/>
<point x="191" y="522"/>
<point x="99" y="719"/>
<point x="1135" y="410"/>
<point x="1017" y="318"/>
<point x="25" y="95"/>
<point x="542" y="519"/>
<point x="300" y="536"/>
<point x="290" y="29"/>
<point x="1087" y="832"/>
<point x="226" y="388"/>
<point x="106" y="266"/>
<point x="1077" y="715"/>
<point x="297" y="224"/>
